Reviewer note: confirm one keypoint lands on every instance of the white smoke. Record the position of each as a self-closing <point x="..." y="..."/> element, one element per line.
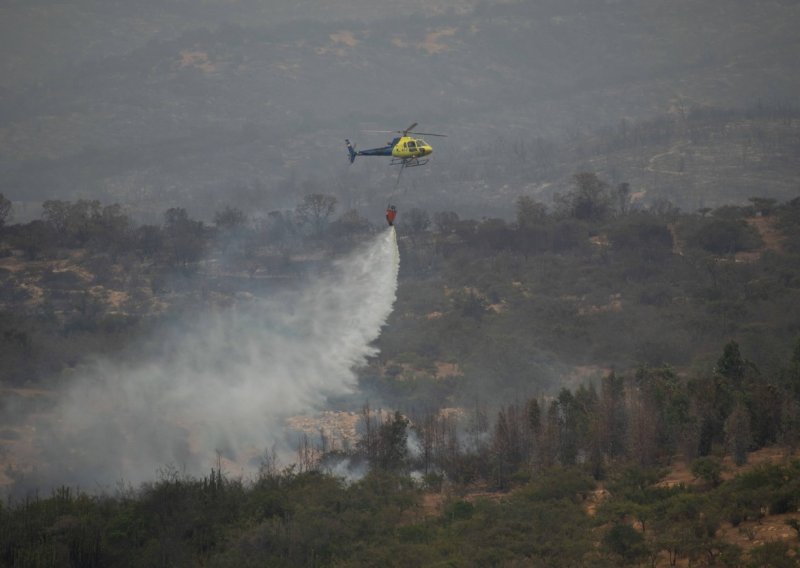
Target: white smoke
<point x="228" y="385"/>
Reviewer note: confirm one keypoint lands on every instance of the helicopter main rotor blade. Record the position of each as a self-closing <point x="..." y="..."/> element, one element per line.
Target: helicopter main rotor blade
<point x="409" y="129"/>
<point x="406" y="132"/>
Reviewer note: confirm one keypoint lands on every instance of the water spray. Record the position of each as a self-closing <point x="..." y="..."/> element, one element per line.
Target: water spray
<point x="225" y="388"/>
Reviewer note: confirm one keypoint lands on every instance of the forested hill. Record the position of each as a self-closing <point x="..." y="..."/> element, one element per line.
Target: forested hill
<point x="598" y="281"/>
<point x="232" y="100"/>
<point x="559" y="367"/>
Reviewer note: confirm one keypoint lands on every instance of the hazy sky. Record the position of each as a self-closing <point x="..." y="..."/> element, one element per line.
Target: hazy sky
<point x="164" y="103"/>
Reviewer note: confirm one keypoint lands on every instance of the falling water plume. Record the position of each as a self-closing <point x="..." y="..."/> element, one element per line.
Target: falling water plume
<point x="228" y="385"/>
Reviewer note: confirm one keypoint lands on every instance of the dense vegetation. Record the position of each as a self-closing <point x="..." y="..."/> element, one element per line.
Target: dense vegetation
<point x="516" y="305"/>
<point x="593" y="282"/>
<point x="312" y="518"/>
<point x="689" y="320"/>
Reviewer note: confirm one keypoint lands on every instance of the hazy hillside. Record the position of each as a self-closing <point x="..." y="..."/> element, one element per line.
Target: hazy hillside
<point x="579" y="345"/>
<point x="603" y="385"/>
<point x="170" y="101"/>
<point x="39" y="38"/>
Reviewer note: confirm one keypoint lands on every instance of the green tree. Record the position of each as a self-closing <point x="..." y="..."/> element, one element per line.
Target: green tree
<point x="149" y="240"/>
<point x="732" y="365"/>
<point x="278" y="227"/>
<point x="534" y="416"/>
<point x="417" y="220"/>
<point x="626" y="542"/>
<point x="315" y="212"/>
<point x="530" y="213"/>
<point x="714" y="396"/>
<point x="82" y="220"/>
<point x="763" y="205"/>
<point x="685" y="527"/>
<point x="33" y="238"/>
<point x="664" y="403"/>
<point x="111" y="231"/>
<point x="56" y="214"/>
<point x="511" y="443"/>
<point x="737" y="433"/>
<point x="725" y="236"/>
<point x="623" y="198"/>
<point x="445" y="221"/>
<point x="613" y="422"/>
<point x="392" y="454"/>
<point x="590" y="199"/>
<point x="351" y="223"/>
<point x="709" y="469"/>
<point x="494" y="234"/>
<point x="774" y="554"/>
<point x="230" y="218"/>
<point x="573" y="426"/>
<point x="566" y="234"/>
<point x="88" y="222"/>
<point x="791" y="374"/>
<point x="185" y="236"/>
<point x="5" y="210"/>
<point x="550" y="438"/>
<point x="470" y="304"/>
<point x="642" y="237"/>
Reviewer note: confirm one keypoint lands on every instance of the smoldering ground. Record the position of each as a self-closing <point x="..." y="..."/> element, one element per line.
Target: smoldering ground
<point x="224" y="385"/>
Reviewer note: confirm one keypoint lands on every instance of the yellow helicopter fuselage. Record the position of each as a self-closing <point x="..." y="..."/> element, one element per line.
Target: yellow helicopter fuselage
<point x="409" y="147"/>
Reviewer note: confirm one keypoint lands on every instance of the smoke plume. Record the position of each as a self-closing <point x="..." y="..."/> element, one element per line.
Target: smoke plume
<point x="225" y="387"/>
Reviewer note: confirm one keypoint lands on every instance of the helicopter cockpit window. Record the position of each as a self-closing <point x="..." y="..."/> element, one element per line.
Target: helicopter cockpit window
<point x="412" y="145"/>
<point x="420" y="143"/>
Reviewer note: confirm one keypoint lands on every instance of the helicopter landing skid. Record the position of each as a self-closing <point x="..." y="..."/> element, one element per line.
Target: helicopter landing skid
<point x="408" y="162"/>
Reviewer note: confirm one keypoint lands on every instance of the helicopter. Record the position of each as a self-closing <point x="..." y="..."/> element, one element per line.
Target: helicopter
<point x="406" y="151"/>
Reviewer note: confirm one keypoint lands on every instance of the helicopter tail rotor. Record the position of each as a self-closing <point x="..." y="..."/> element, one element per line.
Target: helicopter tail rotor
<point x="351" y="150"/>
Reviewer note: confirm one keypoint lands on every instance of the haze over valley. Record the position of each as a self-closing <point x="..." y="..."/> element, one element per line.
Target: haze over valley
<point x="239" y="102"/>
